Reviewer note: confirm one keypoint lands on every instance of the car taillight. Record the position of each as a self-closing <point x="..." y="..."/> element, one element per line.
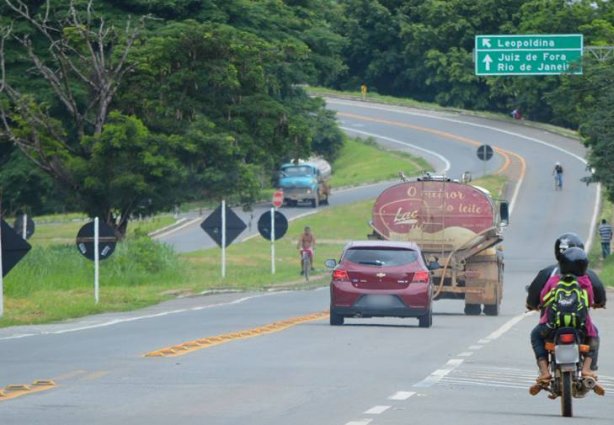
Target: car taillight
<point x="340" y="274"/>
<point x="567" y="338"/>
<point x="421" y="277"/>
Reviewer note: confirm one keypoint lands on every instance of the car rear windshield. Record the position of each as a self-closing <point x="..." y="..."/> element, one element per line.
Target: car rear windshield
<point x="381" y="256"/>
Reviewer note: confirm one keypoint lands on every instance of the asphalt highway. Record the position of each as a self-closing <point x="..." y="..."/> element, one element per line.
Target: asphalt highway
<point x="270" y="359"/>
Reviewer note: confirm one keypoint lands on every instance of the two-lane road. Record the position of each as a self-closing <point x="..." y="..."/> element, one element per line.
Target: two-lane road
<point x="463" y="370"/>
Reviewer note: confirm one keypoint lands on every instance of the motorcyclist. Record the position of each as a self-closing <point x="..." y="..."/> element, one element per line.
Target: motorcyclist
<point x="564" y="241"/>
<point x="534" y="299"/>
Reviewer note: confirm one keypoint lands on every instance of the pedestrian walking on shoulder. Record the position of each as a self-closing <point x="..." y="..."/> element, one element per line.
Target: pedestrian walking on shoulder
<point x="605" y="232"/>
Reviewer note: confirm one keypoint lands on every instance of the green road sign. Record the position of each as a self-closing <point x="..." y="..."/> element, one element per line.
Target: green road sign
<point x="532" y="54"/>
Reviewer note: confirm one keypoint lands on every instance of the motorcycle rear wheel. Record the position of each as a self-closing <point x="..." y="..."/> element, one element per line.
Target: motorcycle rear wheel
<point x="566" y="382"/>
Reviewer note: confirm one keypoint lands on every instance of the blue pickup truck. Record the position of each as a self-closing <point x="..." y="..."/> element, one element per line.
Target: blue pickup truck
<point x="305" y="181"/>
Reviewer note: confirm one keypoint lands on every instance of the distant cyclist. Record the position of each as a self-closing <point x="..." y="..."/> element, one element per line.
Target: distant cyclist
<point x="557" y="172"/>
<point x="307" y="242"/>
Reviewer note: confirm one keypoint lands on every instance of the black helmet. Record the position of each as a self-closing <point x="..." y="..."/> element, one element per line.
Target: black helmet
<point x="573" y="261"/>
<point x="566" y="240"/>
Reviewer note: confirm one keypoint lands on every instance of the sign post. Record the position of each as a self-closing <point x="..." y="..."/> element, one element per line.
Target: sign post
<point x="272" y="240"/>
<point x="223" y="238"/>
<point x="96" y="242"/>
<point x="272" y="228"/>
<point x="1" y="276"/>
<point x="96" y="260"/>
<point x="485" y="152"/>
<point x="528" y="54"/>
<point x="24" y="226"/>
<point x="12" y="249"/>
<point x="223" y="225"/>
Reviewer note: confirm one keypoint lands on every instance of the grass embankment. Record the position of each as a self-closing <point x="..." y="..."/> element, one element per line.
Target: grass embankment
<point x="605" y="268"/>
<point x="55" y="282"/>
<point x="363" y="161"/>
<point x="63" y="229"/>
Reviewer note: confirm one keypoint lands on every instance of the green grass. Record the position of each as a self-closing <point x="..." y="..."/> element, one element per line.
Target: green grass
<point x="362" y="161"/>
<point x="63" y="230"/>
<point x="55" y="282"/>
<point x="493" y="183"/>
<point x="605" y="268"/>
<point x="249" y="262"/>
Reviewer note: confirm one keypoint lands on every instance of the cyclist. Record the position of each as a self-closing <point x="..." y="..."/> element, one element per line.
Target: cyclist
<point x="307" y="242"/>
<point x="557" y="172"/>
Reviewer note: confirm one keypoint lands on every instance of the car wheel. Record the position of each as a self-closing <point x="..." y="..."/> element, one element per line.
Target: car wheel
<point x="336" y="319"/>
<point x="426" y="321"/>
<point x="473" y="309"/>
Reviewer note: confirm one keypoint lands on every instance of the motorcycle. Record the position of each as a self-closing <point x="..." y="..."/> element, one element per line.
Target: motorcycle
<point x="566" y="354"/>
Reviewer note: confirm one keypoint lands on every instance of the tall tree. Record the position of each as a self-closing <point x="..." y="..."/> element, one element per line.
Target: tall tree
<point x="129" y="116"/>
<point x="82" y="60"/>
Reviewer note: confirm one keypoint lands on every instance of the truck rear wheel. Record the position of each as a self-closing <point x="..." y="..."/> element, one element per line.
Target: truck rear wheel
<point x="473" y="309"/>
<point x="491" y="309"/>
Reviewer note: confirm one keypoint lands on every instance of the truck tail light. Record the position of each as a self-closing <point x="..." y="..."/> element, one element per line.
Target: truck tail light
<point x="340" y="274"/>
<point x="422" y="277"/>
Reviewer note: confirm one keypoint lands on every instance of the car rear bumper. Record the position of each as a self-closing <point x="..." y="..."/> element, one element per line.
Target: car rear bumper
<point x="379" y="306"/>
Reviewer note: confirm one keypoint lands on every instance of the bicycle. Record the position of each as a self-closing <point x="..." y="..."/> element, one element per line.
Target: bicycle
<point x="306" y="263"/>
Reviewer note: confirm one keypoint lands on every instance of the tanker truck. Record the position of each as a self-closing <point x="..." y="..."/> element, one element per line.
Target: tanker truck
<point x="305" y="181"/>
<point x="458" y="227"/>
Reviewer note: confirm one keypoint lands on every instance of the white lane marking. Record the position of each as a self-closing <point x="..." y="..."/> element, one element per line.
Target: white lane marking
<point x="439" y="374"/>
<point x="429" y="152"/>
<point x="591" y="233"/>
<point x="487" y="384"/>
<point x="401" y="395"/>
<point x="491" y="377"/>
<point x="465" y="354"/>
<point x="178" y="228"/>
<point x="377" y="410"/>
<point x="475" y="347"/>
<point x="507" y="326"/>
<point x="484" y="341"/>
<point x="361" y="422"/>
<point x="133" y="319"/>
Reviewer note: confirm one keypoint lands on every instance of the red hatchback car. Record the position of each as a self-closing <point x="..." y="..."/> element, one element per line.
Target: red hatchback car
<point x="381" y="279"/>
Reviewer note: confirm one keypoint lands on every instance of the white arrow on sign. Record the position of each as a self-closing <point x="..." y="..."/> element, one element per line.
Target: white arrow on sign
<point x="486" y="42"/>
<point x="487" y="61"/>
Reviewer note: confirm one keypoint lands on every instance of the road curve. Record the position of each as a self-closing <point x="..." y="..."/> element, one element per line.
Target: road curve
<point x="266" y="359"/>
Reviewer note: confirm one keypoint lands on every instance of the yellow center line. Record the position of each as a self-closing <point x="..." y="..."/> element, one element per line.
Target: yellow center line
<point x="446" y="135"/>
<point x="14" y="391"/>
<point x="199" y="344"/>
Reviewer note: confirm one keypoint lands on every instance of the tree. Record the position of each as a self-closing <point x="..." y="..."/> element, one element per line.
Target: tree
<point x="24" y="187"/>
<point x="124" y="117"/>
<point x="597" y="118"/>
<point x="82" y="60"/>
